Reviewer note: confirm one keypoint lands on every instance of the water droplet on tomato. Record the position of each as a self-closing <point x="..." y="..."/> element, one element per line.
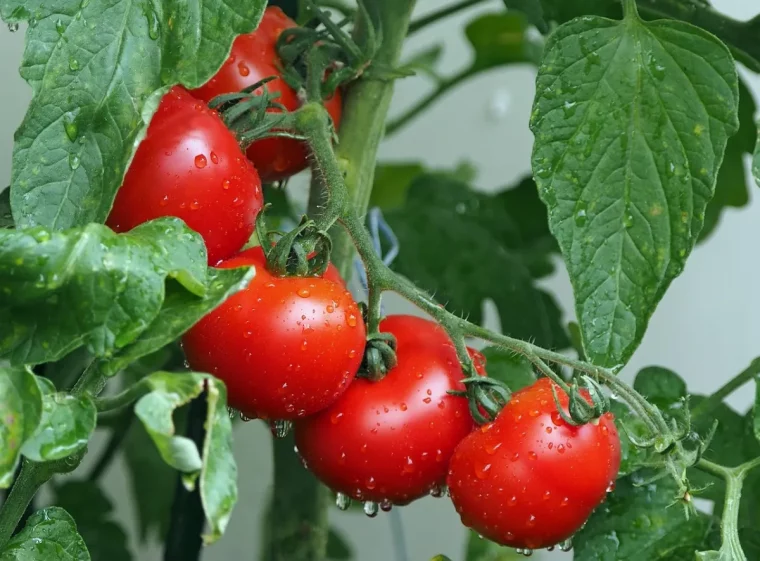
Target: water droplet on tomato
<point x="303" y="292"/>
<point x="304" y="344"/>
<point x="245" y="418"/>
<point x="335" y="417"/>
<point x="515" y="456"/>
<point x="342" y="501"/>
<point x="438" y="456"/>
<point x="214" y="158"/>
<point x="351" y="320"/>
<point x="512" y="500"/>
<point x="200" y="161"/>
<point x="183" y="205"/>
<point x="402" y="406"/>
<point x="547" y="495"/>
<point x="532" y="455"/>
<point x="441" y="404"/>
<point x="557" y="418"/>
<point x="352" y="353"/>
<point x="548" y="430"/>
<point x="247" y="334"/>
<point x="342" y="458"/>
<point x="566" y="545"/>
<point x="550" y="445"/>
<point x="370" y="508"/>
<point x="561" y="448"/>
<point x="164" y="201"/>
<point x="531" y="521"/>
<point x="533" y="412"/>
<point x="427" y="400"/>
<point x="603" y="429"/>
<point x="237" y="201"/>
<point x="564" y="501"/>
<point x="226" y="184"/>
<point x="370" y="483"/>
<point x="491" y="447"/>
<point x="364" y="448"/>
<point x="330" y="308"/>
<point x="482" y="472"/>
<point x="611" y="487"/>
<point x="437" y="491"/>
<point x="243" y="69"/>
<point x="195" y="205"/>
<point x="409" y="466"/>
<point x="386" y="505"/>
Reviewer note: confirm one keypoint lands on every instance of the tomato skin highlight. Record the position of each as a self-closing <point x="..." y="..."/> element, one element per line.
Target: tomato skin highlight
<point x="285" y="347"/>
<point x="190" y="166"/>
<point x="529" y="479"/>
<point x="253" y="58"/>
<point x="391" y="441"/>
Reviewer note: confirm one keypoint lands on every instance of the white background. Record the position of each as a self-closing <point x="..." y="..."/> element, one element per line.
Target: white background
<point x="706" y="328"/>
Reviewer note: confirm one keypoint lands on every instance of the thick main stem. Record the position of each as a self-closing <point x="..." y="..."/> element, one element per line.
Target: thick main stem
<point x="363" y="122"/>
<point x="28" y="482"/>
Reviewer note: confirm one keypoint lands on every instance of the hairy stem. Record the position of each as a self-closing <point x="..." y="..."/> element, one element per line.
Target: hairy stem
<point x="31" y="477"/>
<point x="363" y="122"/>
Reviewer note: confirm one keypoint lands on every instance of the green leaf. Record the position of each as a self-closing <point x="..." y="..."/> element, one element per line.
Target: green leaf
<point x="93" y="511"/>
<point x="50" y="534"/>
<point x="756" y="160"/>
<point x="533" y="11"/>
<point x="90" y="286"/>
<point x="731" y="188"/>
<point x="65" y="427"/>
<point x="180" y="311"/>
<point x="20" y="413"/>
<point x="640" y="522"/>
<point x="98" y="72"/>
<point x="466" y="247"/>
<point x="425" y="61"/>
<point x="632" y="458"/>
<point x="481" y="549"/>
<point x="500" y="39"/>
<point x="628" y="145"/>
<point x="393" y="179"/>
<point x="661" y="387"/>
<point x="514" y="370"/>
<point x="338" y="549"/>
<point x="6" y="216"/>
<point x="214" y="464"/>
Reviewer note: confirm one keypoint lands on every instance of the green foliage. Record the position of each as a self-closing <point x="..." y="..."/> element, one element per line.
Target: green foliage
<point x="214" y="464"/>
<point x="20" y="413"/>
<point x="6" y="215"/>
<point x="98" y="72"/>
<point x="500" y="39"/>
<point x="89" y="286"/>
<point x="481" y="549"/>
<point x="514" y="370"/>
<point x="639" y="521"/>
<point x="628" y="146"/>
<point x="49" y="534"/>
<point x="93" y="511"/>
<point x="338" y="548"/>
<point x="465" y="247"/>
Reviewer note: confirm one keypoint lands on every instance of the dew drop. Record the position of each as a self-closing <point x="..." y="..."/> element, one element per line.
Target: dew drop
<point x="437" y="491"/>
<point x="245" y="418"/>
<point x="351" y="320"/>
<point x="13" y="27"/>
<point x="438" y="456"/>
<point x="561" y="448"/>
<point x="371" y="483"/>
<point x="243" y="69"/>
<point x="281" y="428"/>
<point x="566" y="545"/>
<point x="386" y="505"/>
<point x="303" y="292"/>
<point x="611" y="487"/>
<point x="195" y="205"/>
<point x="515" y="456"/>
<point x="70" y="126"/>
<point x="532" y="455"/>
<point x="74" y="161"/>
<point x="492" y="447"/>
<point x="427" y="400"/>
<point x="565" y="501"/>
<point x="330" y="308"/>
<point x="342" y="501"/>
<point x="200" y="161"/>
<point x="409" y="466"/>
<point x="336" y="417"/>
<point x="164" y="201"/>
<point x="512" y="500"/>
<point x="531" y="521"/>
<point x="73" y="64"/>
<point x="226" y="184"/>
<point x="214" y="158"/>
<point x="371" y="508"/>
<point x="403" y="406"/>
<point x="482" y="472"/>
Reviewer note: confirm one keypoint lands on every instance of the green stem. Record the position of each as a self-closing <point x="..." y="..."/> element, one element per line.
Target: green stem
<point x="731" y="547"/>
<point x="443" y="87"/>
<point x="438" y="15"/>
<point x="127" y="397"/>
<point x="28" y="482"/>
<point x="363" y="121"/>
<point x="709" y="404"/>
<point x="296" y="524"/>
<point x="630" y="11"/>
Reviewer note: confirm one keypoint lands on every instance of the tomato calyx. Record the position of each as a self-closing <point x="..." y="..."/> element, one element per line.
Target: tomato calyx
<point x="379" y="356"/>
<point x="580" y="410"/>
<point x="302" y="252"/>
<point x="254" y="113"/>
<point x="486" y="397"/>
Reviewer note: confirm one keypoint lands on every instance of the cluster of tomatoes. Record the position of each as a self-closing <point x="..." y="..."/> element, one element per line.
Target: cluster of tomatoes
<point x="289" y="348"/>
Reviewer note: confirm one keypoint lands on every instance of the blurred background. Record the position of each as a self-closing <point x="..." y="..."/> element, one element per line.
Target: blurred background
<point x="706" y="328"/>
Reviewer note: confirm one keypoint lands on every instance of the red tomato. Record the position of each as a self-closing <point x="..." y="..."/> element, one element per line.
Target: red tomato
<point x="391" y="441"/>
<point x="285" y="347"/>
<point x="529" y="479"/>
<point x="190" y="166"/>
<point x="254" y="58"/>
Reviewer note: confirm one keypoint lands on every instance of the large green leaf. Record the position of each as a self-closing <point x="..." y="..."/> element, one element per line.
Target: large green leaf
<point x="50" y="534"/>
<point x="533" y="11"/>
<point x="215" y="463"/>
<point x="631" y="121"/>
<point x="98" y="70"/>
<point x="20" y="412"/>
<point x="640" y="522"/>
<point x="90" y="286"/>
<point x="466" y="247"/>
<point x="93" y="511"/>
<point x="180" y="311"/>
<point x="514" y="370"/>
<point x="65" y="427"/>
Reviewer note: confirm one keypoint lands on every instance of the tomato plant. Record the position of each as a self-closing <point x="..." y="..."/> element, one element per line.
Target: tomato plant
<point x="285" y="347"/>
<point x="190" y="166"/>
<point x="252" y="59"/>
<point x="157" y="282"/>
<point x="390" y="441"/>
<point x="529" y="479"/>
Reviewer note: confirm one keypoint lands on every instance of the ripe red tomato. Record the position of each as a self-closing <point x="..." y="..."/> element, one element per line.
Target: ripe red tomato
<point x="391" y="441"/>
<point x="529" y="479"/>
<point x="191" y="166"/>
<point x="254" y="58"/>
<point x="285" y="347"/>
